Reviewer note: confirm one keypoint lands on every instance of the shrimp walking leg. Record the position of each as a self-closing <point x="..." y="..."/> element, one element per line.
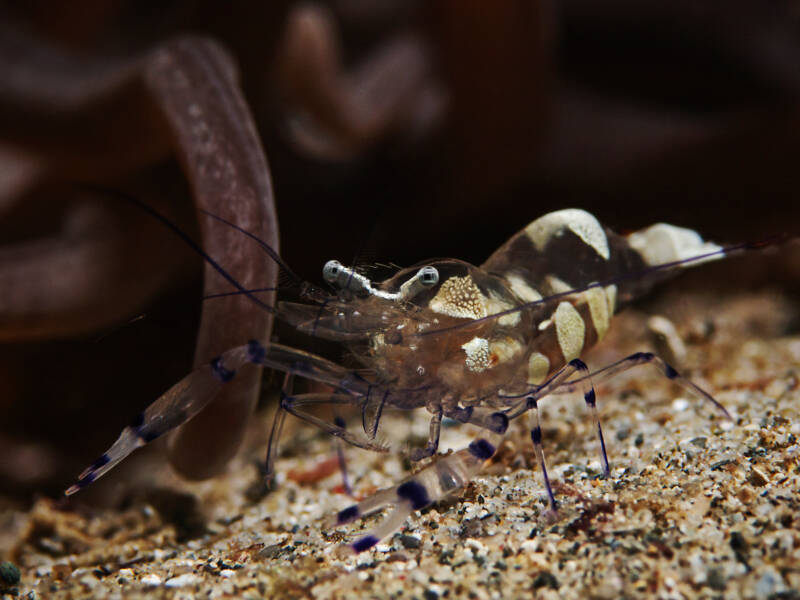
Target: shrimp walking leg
<point x="556" y="383"/>
<point x="305" y="364"/>
<point x="454" y="471"/>
<point x="193" y="393"/>
<point x="430" y="485"/>
<point x="370" y="423"/>
<point x="590" y="398"/>
<point x="486" y="418"/>
<point x="176" y="406"/>
<point x="433" y="439"/>
<point x="276" y="429"/>
<point x="348" y="489"/>
<point x="634" y="360"/>
<point x="536" y="438"/>
<point x="294" y="404"/>
<point x="290" y="404"/>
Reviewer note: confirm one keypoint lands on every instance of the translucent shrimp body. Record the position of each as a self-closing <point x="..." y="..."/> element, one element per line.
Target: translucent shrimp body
<point x="479" y="345"/>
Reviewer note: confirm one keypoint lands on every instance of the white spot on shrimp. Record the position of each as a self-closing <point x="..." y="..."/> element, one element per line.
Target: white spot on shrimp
<point x="503" y="350"/>
<point x="538" y="368"/>
<point x="495" y="305"/>
<point x="522" y="288"/>
<point x="662" y="243"/>
<point x="478" y="356"/>
<point x="570" y="330"/>
<point x="557" y="286"/>
<point x="459" y="297"/>
<point x="578" y="221"/>
<point x="611" y="297"/>
<point x="598" y="309"/>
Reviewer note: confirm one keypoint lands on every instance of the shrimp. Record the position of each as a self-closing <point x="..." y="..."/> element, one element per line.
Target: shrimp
<point x="478" y="345"/>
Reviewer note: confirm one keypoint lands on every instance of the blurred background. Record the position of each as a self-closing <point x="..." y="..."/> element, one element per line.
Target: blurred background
<point x="395" y="131"/>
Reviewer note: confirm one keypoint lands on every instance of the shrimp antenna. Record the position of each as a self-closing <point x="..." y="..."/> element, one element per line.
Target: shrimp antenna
<point x="169" y="224"/>
<point x="269" y="250"/>
<point x="240" y="292"/>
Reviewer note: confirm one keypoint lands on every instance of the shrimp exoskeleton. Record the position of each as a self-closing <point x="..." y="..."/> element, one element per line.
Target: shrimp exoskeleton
<point x="478" y="345"/>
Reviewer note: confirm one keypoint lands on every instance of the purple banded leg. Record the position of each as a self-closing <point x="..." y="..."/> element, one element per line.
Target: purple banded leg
<point x="430" y="485"/>
<point x="557" y="383"/>
<point x="585" y="382"/>
<point x="641" y="358"/>
<point x="309" y="366"/>
<point x="536" y="438"/>
<point x="192" y="394"/>
<point x="495" y="421"/>
<point x="176" y="406"/>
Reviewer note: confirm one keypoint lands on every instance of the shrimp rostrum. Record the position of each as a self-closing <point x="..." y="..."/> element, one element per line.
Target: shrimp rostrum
<point x="478" y="345"/>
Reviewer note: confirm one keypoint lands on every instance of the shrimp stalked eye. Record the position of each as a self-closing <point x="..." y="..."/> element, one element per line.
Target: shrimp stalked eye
<point x="331" y="270"/>
<point x="477" y="345"/>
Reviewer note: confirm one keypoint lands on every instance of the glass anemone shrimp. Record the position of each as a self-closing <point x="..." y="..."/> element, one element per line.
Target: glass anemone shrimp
<point x="478" y="345"/>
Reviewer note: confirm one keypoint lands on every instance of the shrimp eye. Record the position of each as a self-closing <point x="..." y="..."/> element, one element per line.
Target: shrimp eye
<point x="429" y="276"/>
<point x="331" y="270"/>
